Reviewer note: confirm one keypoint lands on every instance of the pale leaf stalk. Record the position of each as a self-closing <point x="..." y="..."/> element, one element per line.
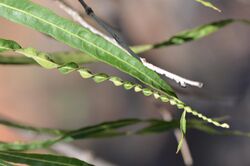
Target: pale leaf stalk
<point x="180" y="80"/>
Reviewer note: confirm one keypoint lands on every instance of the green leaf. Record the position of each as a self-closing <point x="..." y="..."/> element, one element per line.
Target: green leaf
<point x="183" y="130"/>
<point x="159" y="126"/>
<point x="186" y="36"/>
<point x="189" y="35"/>
<point x="208" y="4"/>
<point x="6" y="45"/>
<point x="102" y="130"/>
<point x="22" y="146"/>
<point x="74" y="56"/>
<point x="15" y="60"/>
<point x="41" y="19"/>
<point x="183" y="122"/>
<point x="203" y="127"/>
<point x="68" y="68"/>
<point x="100" y="77"/>
<point x="58" y="57"/>
<point x="110" y="129"/>
<point x="42" y="58"/>
<point x="106" y="129"/>
<point x="34" y="129"/>
<point x="3" y="163"/>
<point x="180" y="143"/>
<point x="45" y="60"/>
<point x="40" y="159"/>
<point x="117" y="81"/>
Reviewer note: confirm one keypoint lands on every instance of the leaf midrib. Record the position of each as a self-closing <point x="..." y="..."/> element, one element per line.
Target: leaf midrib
<point x="72" y="34"/>
<point x="6" y="48"/>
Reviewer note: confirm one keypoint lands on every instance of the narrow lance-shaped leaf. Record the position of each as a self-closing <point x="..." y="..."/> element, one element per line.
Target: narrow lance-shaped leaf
<point x="3" y="163"/>
<point x="180" y="143"/>
<point x="112" y="129"/>
<point x="183" y="130"/>
<point x="102" y="130"/>
<point x="15" y="60"/>
<point x="27" y="13"/>
<point x="106" y="129"/>
<point x="58" y="57"/>
<point x="81" y="58"/>
<point x="190" y="35"/>
<point x="22" y="146"/>
<point x="29" y="128"/>
<point x="208" y="4"/>
<point x="153" y="126"/>
<point x="183" y="122"/>
<point x="159" y="126"/>
<point x="40" y="159"/>
<point x="6" y="45"/>
<point x="46" y="61"/>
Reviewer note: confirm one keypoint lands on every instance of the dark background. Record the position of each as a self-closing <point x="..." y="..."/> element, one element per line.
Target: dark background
<point x="39" y="97"/>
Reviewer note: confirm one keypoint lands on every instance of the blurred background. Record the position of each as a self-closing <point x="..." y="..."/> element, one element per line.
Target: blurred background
<point x="43" y="98"/>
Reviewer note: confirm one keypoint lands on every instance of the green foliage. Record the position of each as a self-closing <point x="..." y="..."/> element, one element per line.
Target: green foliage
<point x="178" y="39"/>
<point x="183" y="128"/>
<point x="40" y="159"/>
<point x="180" y="143"/>
<point x="6" y="45"/>
<point x="189" y="35"/>
<point x="102" y="130"/>
<point x="15" y="60"/>
<point x="34" y="129"/>
<point x="45" y="61"/>
<point x="183" y="122"/>
<point x="3" y="163"/>
<point x="108" y="130"/>
<point x="20" y="146"/>
<point x="92" y="48"/>
<point x="208" y="4"/>
<point x="76" y="36"/>
<point x="58" y="57"/>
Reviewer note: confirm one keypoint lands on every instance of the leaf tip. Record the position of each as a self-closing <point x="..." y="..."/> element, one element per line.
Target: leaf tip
<point x="180" y="144"/>
<point x="225" y="125"/>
